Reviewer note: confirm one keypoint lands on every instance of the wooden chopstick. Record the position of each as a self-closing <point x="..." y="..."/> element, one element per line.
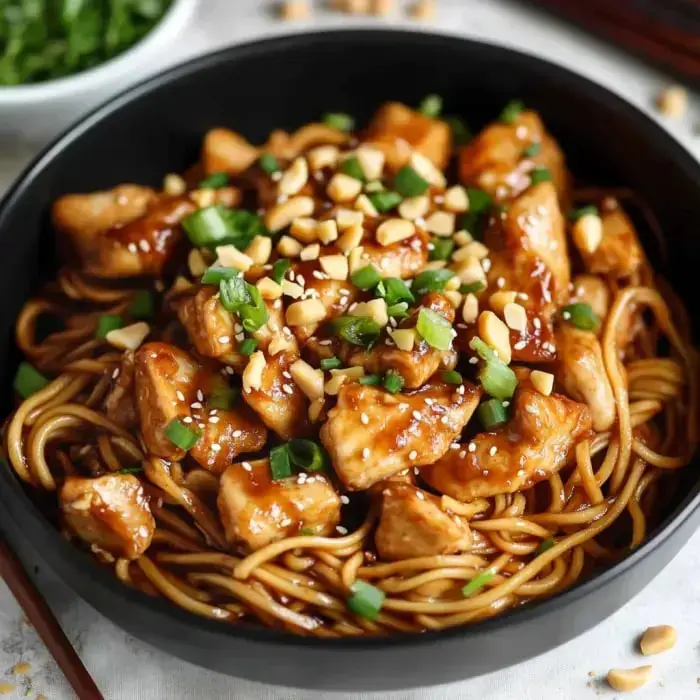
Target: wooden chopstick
<point x="46" y="625"/>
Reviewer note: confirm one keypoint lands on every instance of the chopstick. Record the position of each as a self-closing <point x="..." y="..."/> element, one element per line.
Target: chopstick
<point x="46" y="625"/>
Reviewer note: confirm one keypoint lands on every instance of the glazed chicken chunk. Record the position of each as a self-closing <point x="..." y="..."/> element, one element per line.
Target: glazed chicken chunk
<point x="257" y="511"/>
<point x="412" y="523"/>
<point x="110" y="512"/>
<point x="225" y="151"/>
<point x="171" y="385"/>
<point x="538" y="440"/>
<point x="371" y="434"/>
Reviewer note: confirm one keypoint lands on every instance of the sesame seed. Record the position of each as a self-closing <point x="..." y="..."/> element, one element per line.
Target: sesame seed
<point x="501" y="282"/>
<point x="365" y="453"/>
<point x="566" y="315"/>
<point x="247" y="466"/>
<point x="286" y="374"/>
<point x="519" y="345"/>
<point x="286" y="522"/>
<point x="344" y="500"/>
<point x="420" y="496"/>
<point x="115" y="374"/>
<point x="537" y="323"/>
<point x="403" y="406"/>
<point x="492" y="450"/>
<point x="180" y="395"/>
<point x="214" y="419"/>
<point x="462" y="454"/>
<point x="473" y="360"/>
<point x="486" y="264"/>
<point x="325" y="342"/>
<point x="187" y="419"/>
<point x="196" y="404"/>
<point x="364" y="418"/>
<point x="201" y="426"/>
<point x="144" y="245"/>
<point x="341" y="530"/>
<point x="413" y="455"/>
<point x="237" y="433"/>
<point x="417" y="415"/>
<point x="216" y="447"/>
<point x="429" y="402"/>
<point x="460" y="389"/>
<point x="521" y="472"/>
<point x="224" y="338"/>
<point x="287" y="389"/>
<point x="472" y="447"/>
<point x="445" y="419"/>
<point x="132" y="248"/>
<point x="506" y="404"/>
<point x="200" y="395"/>
<point x="229" y="370"/>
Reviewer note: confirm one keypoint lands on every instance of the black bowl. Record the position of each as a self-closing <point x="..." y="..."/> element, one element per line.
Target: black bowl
<point x="157" y="127"/>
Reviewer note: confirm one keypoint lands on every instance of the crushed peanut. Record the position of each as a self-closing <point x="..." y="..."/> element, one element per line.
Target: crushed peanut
<point x="364" y="204"/>
<point x="308" y="379"/>
<point x="441" y="223"/>
<point x="587" y="232"/>
<point x="469" y="271"/>
<point x="372" y="161"/>
<point x="295" y="177"/>
<point x="335" y="266"/>
<point x="394" y="230"/>
<point x="174" y="185"/>
<point x="456" y="199"/>
<point x="672" y="101"/>
<point x="499" y="299"/>
<point x="626" y="679"/>
<point x="475" y="249"/>
<point x="515" y="316"/>
<point x="292" y="289"/>
<point x="129" y="337"/>
<point x="289" y="247"/>
<point x="347" y="218"/>
<point x="327" y="231"/>
<point x="375" y="309"/>
<point x="304" y="229"/>
<point x="542" y="381"/>
<point x="230" y="256"/>
<point x="351" y="239"/>
<point x="196" y="263"/>
<point x="310" y="252"/>
<point x="404" y="338"/>
<point x="414" y="208"/>
<point x="323" y="157"/>
<point x="301" y="313"/>
<point x="294" y="10"/>
<point x="343" y="188"/>
<point x="423" y="10"/>
<point x="496" y="334"/>
<point x="253" y="372"/>
<point x="658" y="639"/>
<point x="259" y="250"/>
<point x="268" y="288"/>
<point x="470" y="310"/>
<point x="282" y="214"/>
<point x="428" y="170"/>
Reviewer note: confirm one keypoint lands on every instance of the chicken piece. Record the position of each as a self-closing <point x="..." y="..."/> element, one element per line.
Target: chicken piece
<point x="170" y="384"/>
<point x="288" y="146"/>
<point x="537" y="442"/>
<point x="398" y="130"/>
<point x="119" y="404"/>
<point x="413" y="524"/>
<point x="529" y="251"/>
<point x="371" y="434"/>
<point x="225" y="151"/>
<point x="404" y="259"/>
<point x="581" y="372"/>
<point x="110" y="512"/>
<point x="619" y="254"/>
<point x="591" y="290"/>
<point x="257" y="511"/>
<point x="494" y="161"/>
<point x="415" y="366"/>
<point x="279" y="402"/>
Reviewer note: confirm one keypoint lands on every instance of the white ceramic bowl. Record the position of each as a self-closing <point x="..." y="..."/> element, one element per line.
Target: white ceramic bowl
<point x="35" y="113"/>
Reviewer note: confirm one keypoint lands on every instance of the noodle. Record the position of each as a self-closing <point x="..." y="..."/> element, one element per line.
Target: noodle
<point x="525" y="545"/>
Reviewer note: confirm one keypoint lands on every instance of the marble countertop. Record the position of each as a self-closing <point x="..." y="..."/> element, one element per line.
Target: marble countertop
<point x="126" y="669"/>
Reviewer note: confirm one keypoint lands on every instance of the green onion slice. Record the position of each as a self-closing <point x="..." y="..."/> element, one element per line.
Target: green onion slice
<point x="461" y="133"/>
<point x="214" y="226"/>
<point x="269" y="163"/>
<point x="479" y="201"/>
<point x="28" y="380"/>
<point x="214" y="181"/>
<point x="233" y="293"/>
<point x="472" y="288"/>
<point x="280" y="464"/>
<point x="107" y="323"/>
<point x="393" y="381"/>
<point x="495" y="376"/>
<point x="545" y="545"/>
<point x="181" y="435"/>
<point x="399" y="310"/>
<point x="385" y="201"/>
<point x="307" y="455"/>
<point x="254" y="314"/>
<point x="351" y="166"/>
<point x="409" y="183"/>
<point x="215" y="274"/>
<point x="223" y="397"/>
<point x="331" y="363"/>
<point x="395" y="290"/>
<point x="477" y="583"/>
<point x="339" y="120"/>
<point x="247" y="346"/>
<point x="581" y="315"/>
<point x="366" y="278"/>
<point x="441" y="248"/>
<point x="142" y="305"/>
<point x="358" y="330"/>
<point x="370" y="380"/>
<point x="431" y="281"/>
<point x="436" y="330"/>
<point x="366" y="600"/>
<point x="431" y="106"/>
<point x="587" y="210"/>
<point x="452" y="377"/>
<point x="540" y="174"/>
<point x="492" y="413"/>
<point x="280" y="269"/>
<point x="532" y="150"/>
<point x="129" y="470"/>
<point x="511" y="111"/>
<point x="306" y="532"/>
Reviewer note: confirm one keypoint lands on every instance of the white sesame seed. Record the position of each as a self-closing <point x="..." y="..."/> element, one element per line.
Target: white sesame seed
<point x="196" y="404"/>
<point x="492" y="450"/>
<point x="200" y="395"/>
<point x="364" y="418"/>
<point x="247" y="466"/>
<point x="429" y="402"/>
<point x="519" y="345"/>
<point x="486" y="264"/>
<point x="224" y="338"/>
<point x="460" y="389"/>
<point x="287" y="389"/>
<point x="237" y="433"/>
<point x="412" y="455"/>
<point x="521" y="472"/>
<point x="417" y="415"/>
<point x="365" y="453"/>
<point x="229" y="370"/>
<point x="506" y="404"/>
<point x="215" y="447"/>
<point x="403" y="406"/>
<point x="115" y="374"/>
<point x="214" y="419"/>
<point x="473" y="360"/>
<point x="286" y="522"/>
<point x="132" y="248"/>
<point x="501" y="282"/>
<point x="180" y="395"/>
<point x="566" y="315"/>
<point x="286" y="374"/>
<point x="537" y="323"/>
<point x="144" y="245"/>
<point x="462" y="454"/>
<point x="344" y="500"/>
<point x="325" y="342"/>
<point x="187" y="419"/>
<point x="341" y="530"/>
<point x="472" y="447"/>
<point x="201" y="426"/>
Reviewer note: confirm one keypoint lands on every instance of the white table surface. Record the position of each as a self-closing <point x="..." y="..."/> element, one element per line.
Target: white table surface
<point x="126" y="669"/>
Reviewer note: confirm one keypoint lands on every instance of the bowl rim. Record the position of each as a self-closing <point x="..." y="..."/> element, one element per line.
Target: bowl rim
<point x="171" y="22"/>
<point x="168" y="612"/>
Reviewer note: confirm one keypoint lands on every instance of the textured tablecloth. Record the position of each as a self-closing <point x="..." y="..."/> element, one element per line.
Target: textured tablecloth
<point x="126" y="669"/>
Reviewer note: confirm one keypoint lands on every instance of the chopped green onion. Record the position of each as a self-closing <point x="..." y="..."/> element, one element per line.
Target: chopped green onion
<point x="431" y="281"/>
<point x="366" y="278"/>
<point x="436" y="330"/>
<point x="431" y="106"/>
<point x="393" y="381"/>
<point x="472" y="288"/>
<point x="331" y="363"/>
<point x="223" y="397"/>
<point x="461" y="133"/>
<point x="492" y="413"/>
<point x="247" y="346"/>
<point x="214" y="274"/>
<point x="385" y="201"/>
<point x="399" y="310"/>
<point x="370" y="380"/>
<point x="214" y="181"/>
<point x="280" y="269"/>
<point x="107" y="323"/>
<point x="532" y="150"/>
<point x="477" y="583"/>
<point x="253" y="315"/>
<point x="233" y="293"/>
<point x="545" y="545"/>
<point x="441" y="248"/>
<point x="395" y="290"/>
<point x="142" y="305"/>
<point x="352" y="167"/>
<point x="129" y="470"/>
<point x="214" y="226"/>
<point x="452" y="377"/>
<point x="587" y="210"/>
<point x="269" y="163"/>
<point x="358" y="330"/>
<point x="366" y="600"/>
<point x="497" y="378"/>
<point x="181" y="435"/>
<point x="28" y="380"/>
<point x="306" y="532"/>
<point x="540" y="174"/>
<point x="307" y="455"/>
<point x="581" y="315"/>
<point x="479" y="201"/>
<point x="339" y="120"/>
<point x="511" y="111"/>
<point x="280" y="465"/>
<point x="409" y="183"/>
